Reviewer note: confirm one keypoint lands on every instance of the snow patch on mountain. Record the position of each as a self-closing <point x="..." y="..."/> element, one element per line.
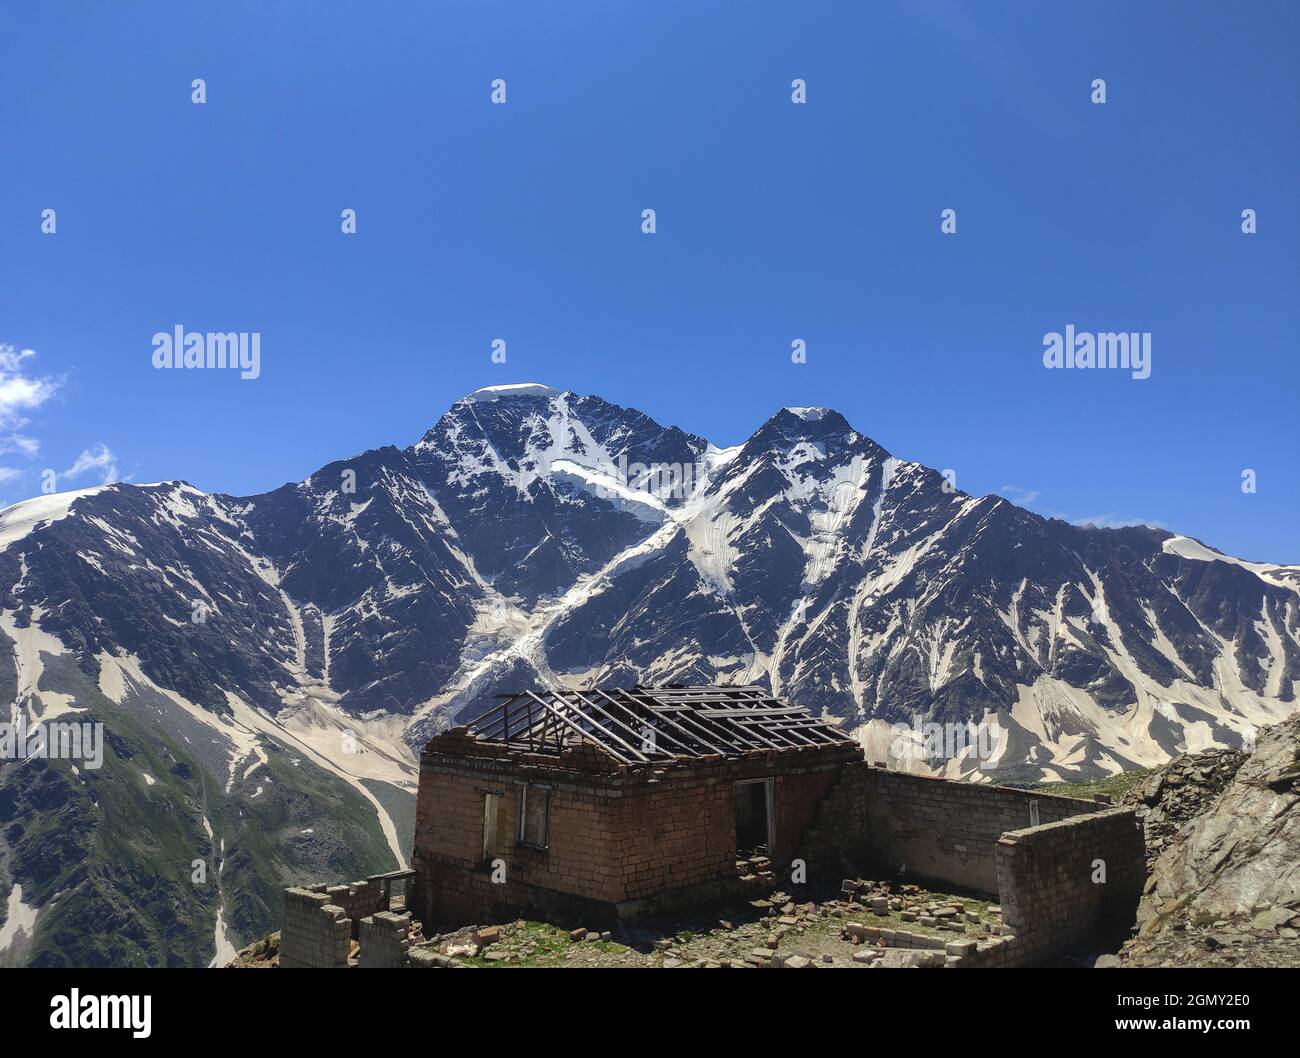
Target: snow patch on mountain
<point x="19" y="519"/>
<point x="31" y="644"/>
<point x="639" y="502"/>
<point x="1190" y="548"/>
<point x="861" y="585"/>
<point x="516" y="389"/>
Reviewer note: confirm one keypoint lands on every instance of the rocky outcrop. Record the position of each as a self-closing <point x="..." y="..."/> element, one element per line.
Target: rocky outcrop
<point x="1178" y="792"/>
<point x="1223" y="833"/>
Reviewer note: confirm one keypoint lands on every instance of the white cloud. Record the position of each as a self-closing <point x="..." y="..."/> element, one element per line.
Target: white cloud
<point x="99" y="458"/>
<point x="8" y="474"/>
<point x="28" y="446"/>
<point x="20" y="392"/>
<point x="1020" y="495"/>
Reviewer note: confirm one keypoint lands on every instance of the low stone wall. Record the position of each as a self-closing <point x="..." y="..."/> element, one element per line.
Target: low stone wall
<point x="314" y="931"/>
<point x="1053" y="895"/>
<point x="936" y="830"/>
<point x="383" y="938"/>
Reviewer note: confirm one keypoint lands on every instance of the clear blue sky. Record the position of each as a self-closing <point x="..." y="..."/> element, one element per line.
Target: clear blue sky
<point x="775" y="222"/>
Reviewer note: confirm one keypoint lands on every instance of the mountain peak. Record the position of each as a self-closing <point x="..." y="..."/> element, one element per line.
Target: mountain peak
<point x="817" y="426"/>
<point x="808" y="414"/>
<point x="515" y="389"/>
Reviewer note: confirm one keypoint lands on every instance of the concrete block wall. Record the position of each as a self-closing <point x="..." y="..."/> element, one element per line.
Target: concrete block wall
<point x="837" y="836"/>
<point x="384" y="940"/>
<point x="314" y="932"/>
<point x="1051" y="900"/>
<point x="799" y="796"/>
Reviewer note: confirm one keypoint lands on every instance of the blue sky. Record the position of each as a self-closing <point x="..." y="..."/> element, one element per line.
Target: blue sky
<point x="775" y="222"/>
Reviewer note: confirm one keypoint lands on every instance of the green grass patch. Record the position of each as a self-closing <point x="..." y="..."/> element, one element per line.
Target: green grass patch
<point x="1113" y="786"/>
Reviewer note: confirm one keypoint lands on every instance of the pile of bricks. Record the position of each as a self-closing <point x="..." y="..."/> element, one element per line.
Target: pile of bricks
<point x="879" y="942"/>
<point x="977" y="939"/>
<point x="913" y="904"/>
<point x="755" y="872"/>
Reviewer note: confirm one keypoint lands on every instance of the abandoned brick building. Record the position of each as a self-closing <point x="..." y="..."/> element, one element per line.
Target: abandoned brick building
<point x="600" y="807"/>
<point x="606" y="805"/>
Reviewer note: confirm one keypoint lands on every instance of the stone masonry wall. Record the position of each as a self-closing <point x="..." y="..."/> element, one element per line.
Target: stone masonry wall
<point x="938" y="830"/>
<point x="1050" y="900"/>
<point x="314" y="932"/>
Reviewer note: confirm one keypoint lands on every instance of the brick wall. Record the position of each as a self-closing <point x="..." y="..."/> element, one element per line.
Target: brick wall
<point x="680" y="831"/>
<point x="320" y="921"/>
<point x="455" y="879"/>
<point x="798" y="798"/>
<point x="619" y="839"/>
<point x="937" y="830"/>
<point x="357" y="899"/>
<point x="1050" y="899"/>
<point x="383" y="937"/>
<point x="677" y="832"/>
<point x="313" y="932"/>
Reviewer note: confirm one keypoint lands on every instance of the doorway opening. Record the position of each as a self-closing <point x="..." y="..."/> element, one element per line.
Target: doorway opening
<point x="754" y="818"/>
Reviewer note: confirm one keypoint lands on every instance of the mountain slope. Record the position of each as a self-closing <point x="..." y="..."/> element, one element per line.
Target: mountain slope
<point x="291" y="650"/>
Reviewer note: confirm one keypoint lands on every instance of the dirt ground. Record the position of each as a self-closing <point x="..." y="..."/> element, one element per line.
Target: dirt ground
<point x="770" y="931"/>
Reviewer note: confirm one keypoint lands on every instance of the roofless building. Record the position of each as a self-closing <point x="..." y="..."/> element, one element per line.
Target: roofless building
<point x="607" y="805"/>
<point x="595" y="807"/>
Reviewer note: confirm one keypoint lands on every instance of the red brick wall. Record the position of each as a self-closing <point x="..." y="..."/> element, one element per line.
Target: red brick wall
<point x="581" y="859"/>
<point x="677" y="833"/>
<point x="682" y="832"/>
<point x="797" y="798"/>
<point x="614" y="834"/>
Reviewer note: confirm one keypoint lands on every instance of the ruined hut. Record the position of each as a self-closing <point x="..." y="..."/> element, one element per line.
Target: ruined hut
<point x="603" y="806"/>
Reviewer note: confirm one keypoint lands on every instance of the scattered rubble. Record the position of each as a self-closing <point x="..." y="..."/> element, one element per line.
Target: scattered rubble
<point x="902" y="925"/>
<point x="261" y="954"/>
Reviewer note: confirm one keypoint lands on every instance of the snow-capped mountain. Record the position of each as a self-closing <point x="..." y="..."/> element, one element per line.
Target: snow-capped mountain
<point x="267" y="666"/>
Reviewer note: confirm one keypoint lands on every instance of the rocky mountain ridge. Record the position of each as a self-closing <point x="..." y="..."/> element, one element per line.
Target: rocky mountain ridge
<point x="272" y="663"/>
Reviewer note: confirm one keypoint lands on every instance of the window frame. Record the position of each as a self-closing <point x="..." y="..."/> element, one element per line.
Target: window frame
<point x="523" y="817"/>
<point x="491" y="826"/>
